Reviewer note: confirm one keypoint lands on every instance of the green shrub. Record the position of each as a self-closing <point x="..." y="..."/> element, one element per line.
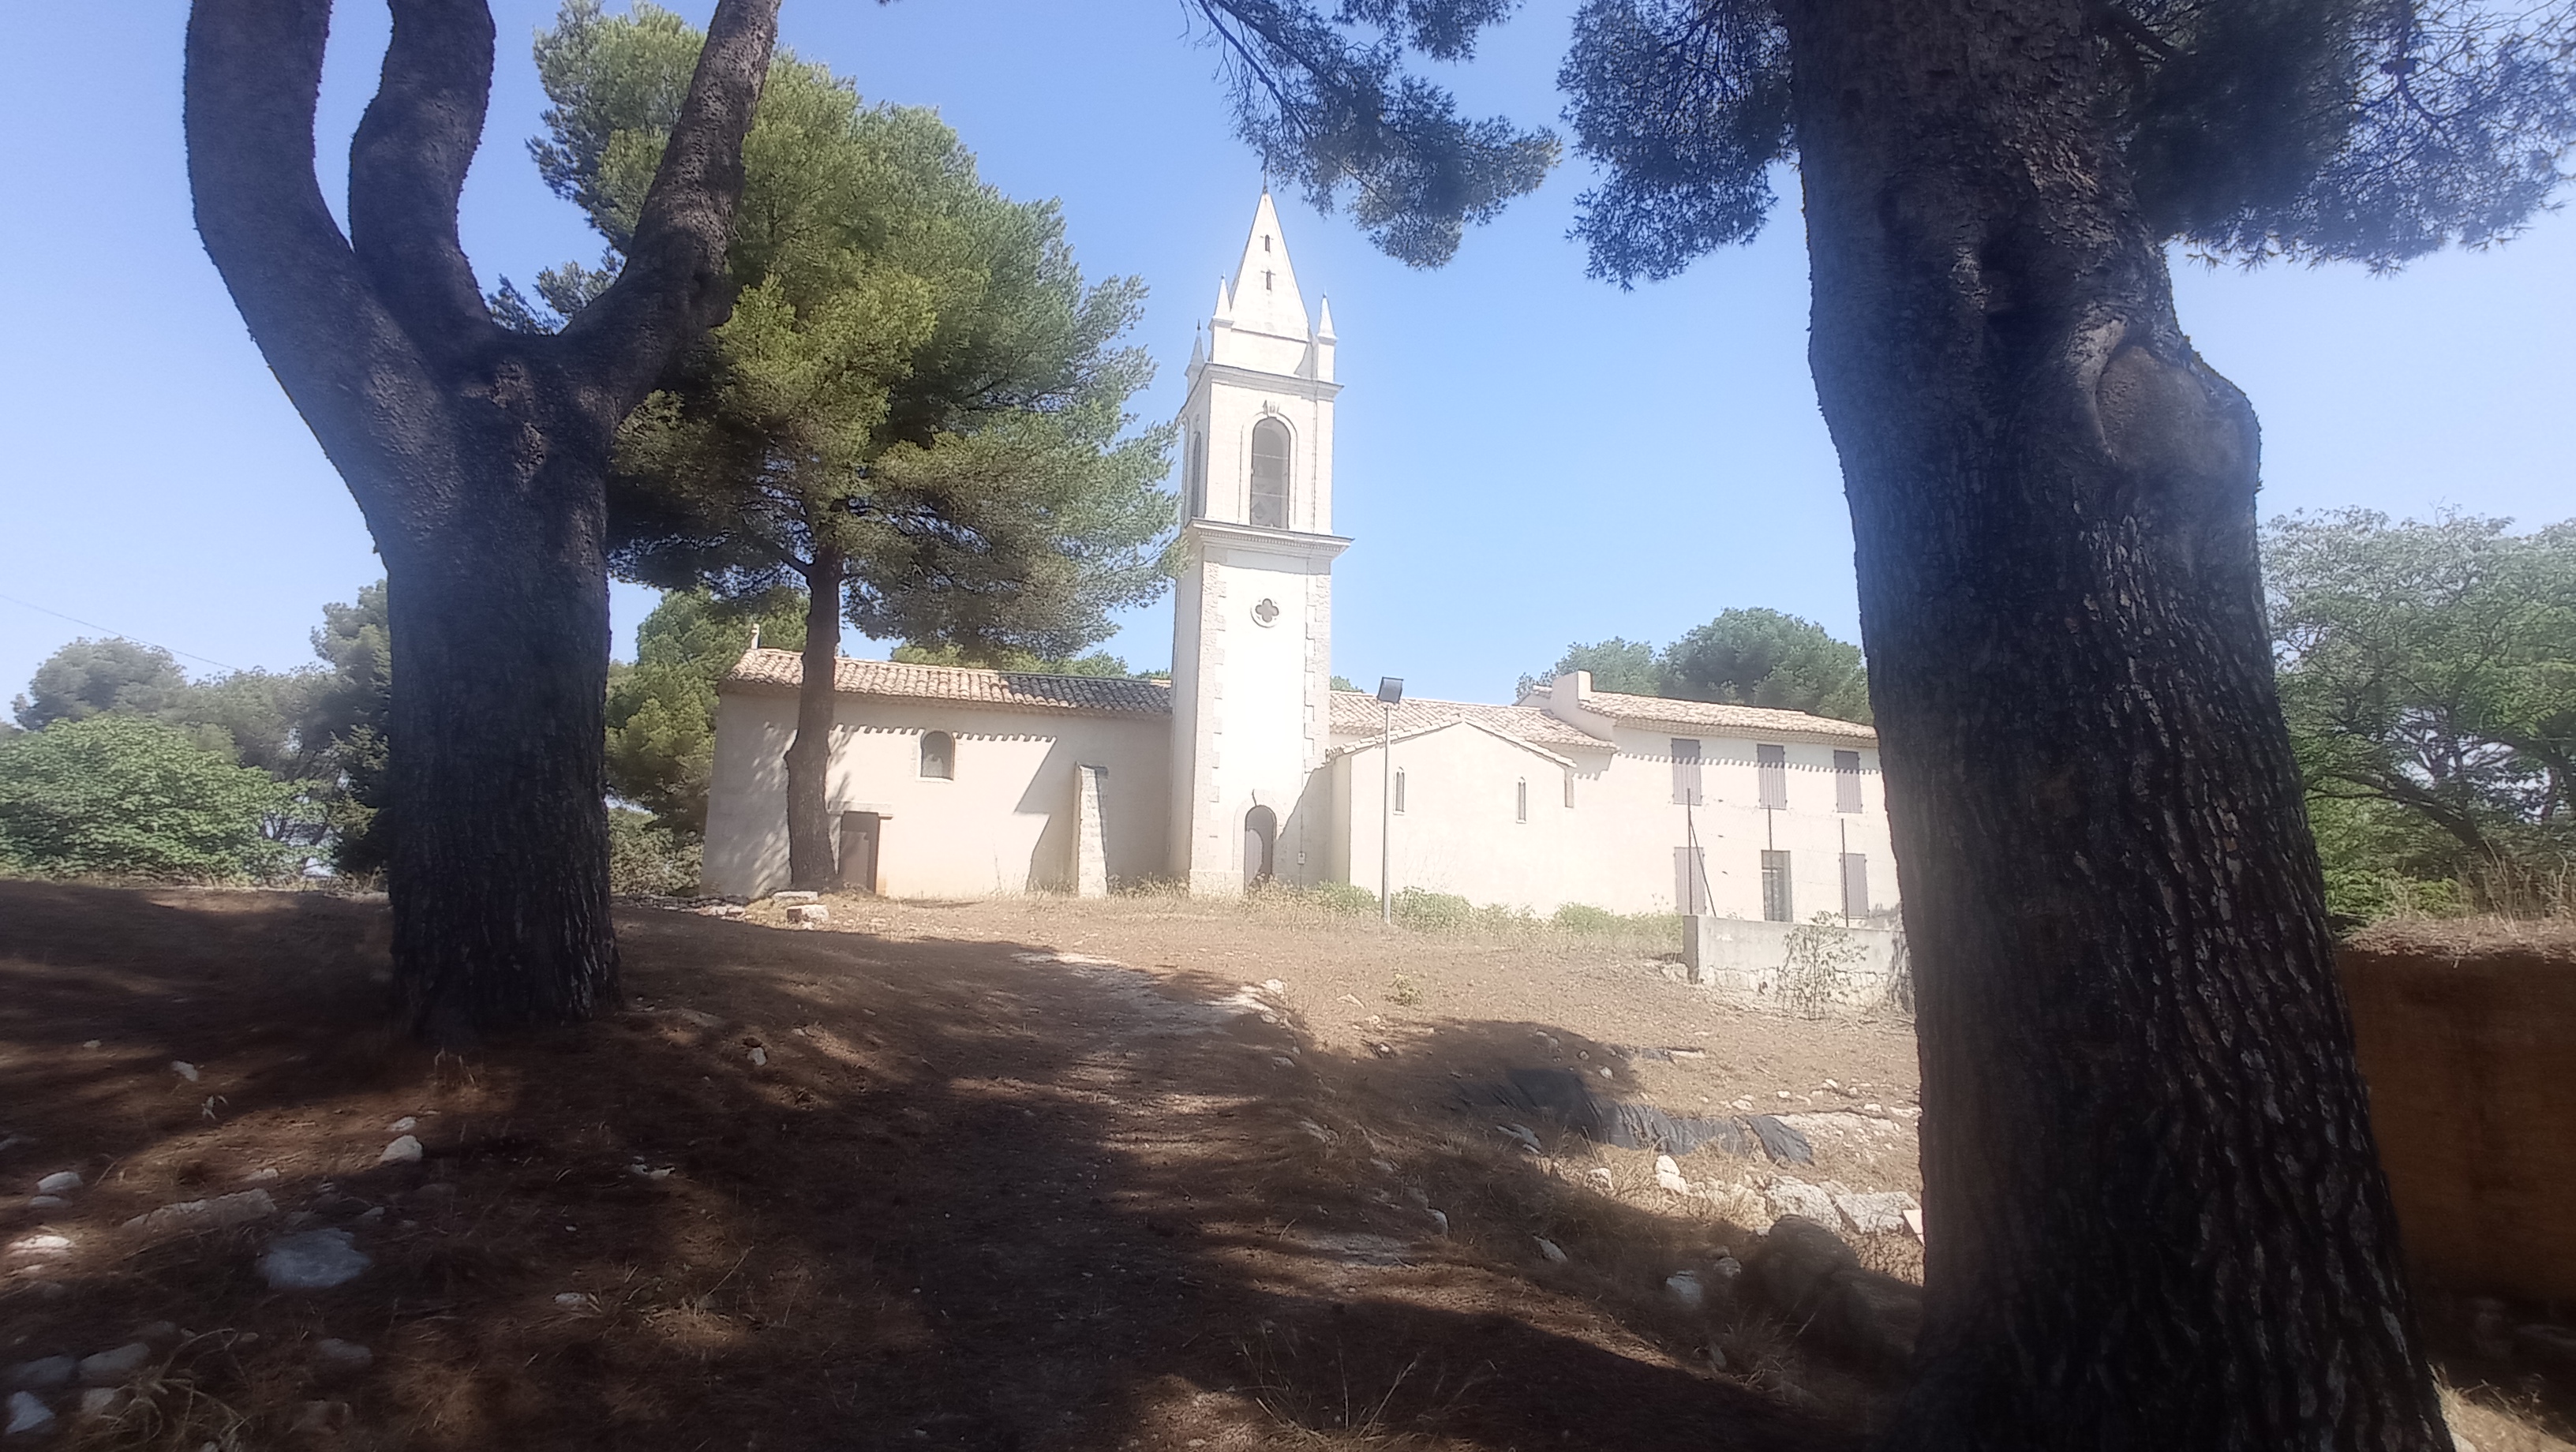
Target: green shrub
<point x="1593" y="922"/>
<point x="1433" y="912"/>
<point x="1347" y="899"/>
<point x="649" y="861"/>
<point x="128" y="796"/>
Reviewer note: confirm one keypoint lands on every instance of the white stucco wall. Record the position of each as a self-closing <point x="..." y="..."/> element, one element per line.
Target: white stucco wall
<point x="1615" y="846"/>
<point x="1460" y="831"/>
<point x="1003" y="823"/>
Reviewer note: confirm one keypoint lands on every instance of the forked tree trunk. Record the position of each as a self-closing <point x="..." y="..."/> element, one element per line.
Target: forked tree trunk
<point x="478" y="456"/>
<point x="811" y="861"/>
<point x="2153" y="1205"/>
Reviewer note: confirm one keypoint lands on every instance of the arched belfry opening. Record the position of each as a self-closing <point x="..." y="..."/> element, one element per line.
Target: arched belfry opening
<point x="1260" y="845"/>
<point x="1270" y="474"/>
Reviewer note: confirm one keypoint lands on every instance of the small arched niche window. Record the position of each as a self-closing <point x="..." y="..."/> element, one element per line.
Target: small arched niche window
<point x="938" y="756"/>
<point x="1270" y="474"/>
<point x="1196" y="470"/>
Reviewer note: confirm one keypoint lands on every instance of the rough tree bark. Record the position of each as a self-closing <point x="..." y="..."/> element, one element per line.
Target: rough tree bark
<point x="812" y="863"/>
<point x="477" y="456"/>
<point x="2156" y="1214"/>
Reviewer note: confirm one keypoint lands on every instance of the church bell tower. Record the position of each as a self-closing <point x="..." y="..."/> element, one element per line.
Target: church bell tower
<point x="1252" y="614"/>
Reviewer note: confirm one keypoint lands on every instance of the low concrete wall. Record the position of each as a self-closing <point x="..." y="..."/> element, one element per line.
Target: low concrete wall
<point x="2474" y="1103"/>
<point x="1791" y="965"/>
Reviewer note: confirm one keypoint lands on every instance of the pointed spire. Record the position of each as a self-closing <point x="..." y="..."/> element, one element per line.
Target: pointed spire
<point x="1224" y="303"/>
<point x="1265" y="285"/>
<point x="1324" y="327"/>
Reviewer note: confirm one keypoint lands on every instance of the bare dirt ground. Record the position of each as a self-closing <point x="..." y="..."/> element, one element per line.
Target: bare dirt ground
<point x="1031" y="1173"/>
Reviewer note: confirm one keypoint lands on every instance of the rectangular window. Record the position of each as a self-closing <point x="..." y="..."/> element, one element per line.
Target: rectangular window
<point x="1690" y="880"/>
<point x="1776" y="904"/>
<point x="1846" y="781"/>
<point x="1569" y="789"/>
<point x="1773" y="764"/>
<point x="1520" y="805"/>
<point x="1399" y="791"/>
<point x="1686" y="773"/>
<point x="1855" y="884"/>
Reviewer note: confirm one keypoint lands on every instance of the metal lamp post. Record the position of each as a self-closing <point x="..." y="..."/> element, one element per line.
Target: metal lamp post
<point x="1390" y="693"/>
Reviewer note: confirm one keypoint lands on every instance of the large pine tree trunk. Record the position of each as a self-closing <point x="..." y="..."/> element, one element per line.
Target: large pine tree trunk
<point x="499" y="878"/>
<point x="2154" y="1209"/>
<point x="811" y="863"/>
<point x="478" y="456"/>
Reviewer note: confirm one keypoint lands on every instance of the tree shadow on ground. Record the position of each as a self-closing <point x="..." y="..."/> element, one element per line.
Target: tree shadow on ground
<point x="810" y="1189"/>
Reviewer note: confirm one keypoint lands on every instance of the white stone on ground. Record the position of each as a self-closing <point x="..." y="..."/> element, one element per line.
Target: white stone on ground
<point x="27" y="1414"/>
<point x="313" y="1260"/>
<point x="1790" y="1195"/>
<point x="1668" y="1174"/>
<point x="1914" y="1221"/>
<point x="266" y="1176"/>
<point x="43" y="1374"/>
<point x="184" y="1070"/>
<point x="46" y="1202"/>
<point x="1550" y="1250"/>
<point x="1685" y="1289"/>
<point x="403" y="1151"/>
<point x="1880" y="1212"/>
<point x="404" y="1125"/>
<point x="101" y="1401"/>
<point x="794" y="899"/>
<point x="760" y="1058"/>
<point x="42" y="1246"/>
<point x="109" y="1367"/>
<point x="234" y="1209"/>
<point x="1602" y="1174"/>
<point x="342" y="1355"/>
<point x="61" y="1182"/>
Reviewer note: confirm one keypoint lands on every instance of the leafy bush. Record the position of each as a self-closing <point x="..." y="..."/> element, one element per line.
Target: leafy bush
<point x="1593" y="922"/>
<point x="1822" y="965"/>
<point x="645" y="860"/>
<point x="118" y="795"/>
<point x="1434" y="912"/>
<point x="1348" y="899"/>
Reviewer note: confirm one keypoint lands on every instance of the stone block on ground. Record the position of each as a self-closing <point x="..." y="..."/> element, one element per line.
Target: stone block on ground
<point x="1879" y="1212"/>
<point x="1790" y="1195"/>
<point x="240" y="1207"/>
<point x="110" y="1367"/>
<point x="313" y="1260"/>
<point x="27" y="1414"/>
<point x="809" y="915"/>
<point x="795" y="899"/>
<point x="1808" y="1275"/>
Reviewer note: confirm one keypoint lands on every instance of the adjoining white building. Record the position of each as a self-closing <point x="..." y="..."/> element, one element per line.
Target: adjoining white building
<point x="1249" y="766"/>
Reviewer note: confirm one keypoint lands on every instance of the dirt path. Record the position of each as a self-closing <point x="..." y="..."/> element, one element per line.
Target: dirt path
<point x="966" y="1177"/>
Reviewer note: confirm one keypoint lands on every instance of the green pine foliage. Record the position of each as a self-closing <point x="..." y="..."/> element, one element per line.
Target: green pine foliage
<point x="2428" y="674"/>
<point x="662" y="708"/>
<point x="93" y="677"/>
<point x="1743" y="657"/>
<point x="118" y="794"/>
<point x="917" y="399"/>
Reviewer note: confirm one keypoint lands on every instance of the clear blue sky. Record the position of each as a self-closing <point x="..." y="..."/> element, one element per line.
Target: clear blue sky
<point x="1526" y="457"/>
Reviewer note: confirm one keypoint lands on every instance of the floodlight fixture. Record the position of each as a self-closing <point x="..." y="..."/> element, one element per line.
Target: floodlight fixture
<point x="1390" y="690"/>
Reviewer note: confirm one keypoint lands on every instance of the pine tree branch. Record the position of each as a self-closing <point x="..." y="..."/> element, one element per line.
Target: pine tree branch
<point x="674" y="283"/>
<point x="254" y="71"/>
<point x="407" y="169"/>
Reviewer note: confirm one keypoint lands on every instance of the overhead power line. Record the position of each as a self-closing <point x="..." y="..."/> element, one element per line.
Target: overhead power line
<point x="122" y="634"/>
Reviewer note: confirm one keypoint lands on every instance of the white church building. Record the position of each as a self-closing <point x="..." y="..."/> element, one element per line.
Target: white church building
<point x="1248" y="766"/>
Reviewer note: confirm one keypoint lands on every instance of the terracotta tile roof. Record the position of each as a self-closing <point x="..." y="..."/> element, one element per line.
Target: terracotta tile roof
<point x="776" y="672"/>
<point x="1356" y="713"/>
<point x="1745" y="721"/>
